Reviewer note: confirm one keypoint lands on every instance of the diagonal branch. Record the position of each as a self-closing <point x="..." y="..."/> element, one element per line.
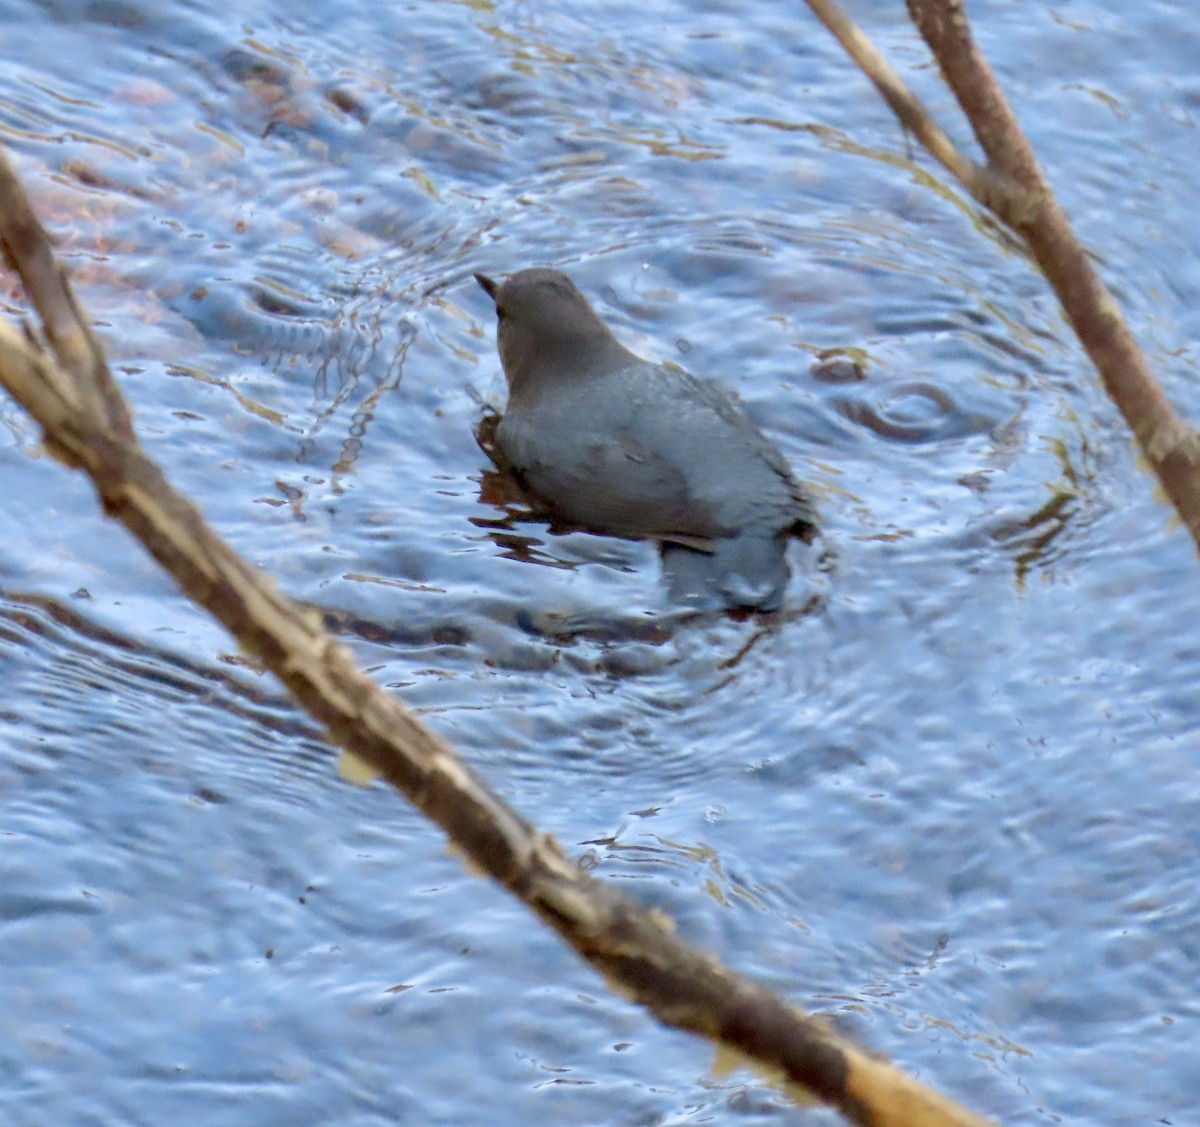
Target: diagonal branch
<point x="1013" y="187"/>
<point x="85" y="421"/>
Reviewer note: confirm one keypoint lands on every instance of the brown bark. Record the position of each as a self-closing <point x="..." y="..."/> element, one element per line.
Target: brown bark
<point x="66" y="386"/>
<point x="1013" y="188"/>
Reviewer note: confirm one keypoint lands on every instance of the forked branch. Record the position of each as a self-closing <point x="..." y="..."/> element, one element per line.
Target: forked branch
<point x="1012" y="186"/>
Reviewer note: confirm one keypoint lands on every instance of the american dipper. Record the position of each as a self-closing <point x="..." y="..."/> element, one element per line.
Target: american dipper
<point x="618" y="445"/>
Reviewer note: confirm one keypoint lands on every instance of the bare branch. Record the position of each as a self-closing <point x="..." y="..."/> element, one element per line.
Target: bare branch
<point x="1014" y="188"/>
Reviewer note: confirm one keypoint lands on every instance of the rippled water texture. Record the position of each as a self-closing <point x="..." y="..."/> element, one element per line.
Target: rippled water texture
<point x="949" y="800"/>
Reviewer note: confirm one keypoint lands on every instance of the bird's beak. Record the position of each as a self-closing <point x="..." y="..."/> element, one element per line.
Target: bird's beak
<point x="488" y="285"/>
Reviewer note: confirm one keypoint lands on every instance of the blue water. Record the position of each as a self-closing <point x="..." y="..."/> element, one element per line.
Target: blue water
<point x="949" y="801"/>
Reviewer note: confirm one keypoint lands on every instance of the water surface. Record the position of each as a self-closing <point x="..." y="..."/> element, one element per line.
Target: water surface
<point x="949" y="801"/>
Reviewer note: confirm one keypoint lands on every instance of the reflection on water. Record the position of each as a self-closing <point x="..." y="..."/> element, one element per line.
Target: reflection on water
<point x="945" y="799"/>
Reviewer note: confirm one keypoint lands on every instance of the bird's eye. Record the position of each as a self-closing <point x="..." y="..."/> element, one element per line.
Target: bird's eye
<point x="500" y="314"/>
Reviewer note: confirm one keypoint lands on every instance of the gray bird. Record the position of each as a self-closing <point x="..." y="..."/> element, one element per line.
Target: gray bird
<point x="618" y="445"/>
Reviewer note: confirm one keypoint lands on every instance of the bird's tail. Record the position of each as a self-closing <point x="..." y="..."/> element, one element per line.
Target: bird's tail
<point x="752" y="570"/>
<point x="746" y="571"/>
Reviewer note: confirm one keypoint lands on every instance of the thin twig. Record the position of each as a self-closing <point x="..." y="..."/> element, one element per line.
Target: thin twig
<point x="904" y="103"/>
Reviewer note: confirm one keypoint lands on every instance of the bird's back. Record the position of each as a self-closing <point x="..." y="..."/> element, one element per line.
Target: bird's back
<point x="647" y="450"/>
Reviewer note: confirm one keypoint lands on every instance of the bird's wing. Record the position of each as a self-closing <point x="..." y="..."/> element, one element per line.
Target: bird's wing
<point x="621" y="486"/>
